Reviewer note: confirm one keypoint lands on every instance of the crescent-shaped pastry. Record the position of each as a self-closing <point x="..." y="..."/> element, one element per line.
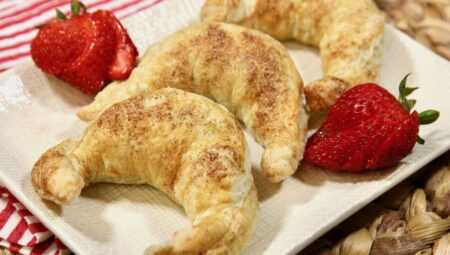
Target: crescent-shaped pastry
<point x="348" y="33"/>
<point x="248" y="72"/>
<point x="183" y="144"/>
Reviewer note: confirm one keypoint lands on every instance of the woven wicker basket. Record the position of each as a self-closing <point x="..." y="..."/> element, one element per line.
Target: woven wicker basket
<point x="6" y="252"/>
<point x="410" y="219"/>
<point x="427" y="21"/>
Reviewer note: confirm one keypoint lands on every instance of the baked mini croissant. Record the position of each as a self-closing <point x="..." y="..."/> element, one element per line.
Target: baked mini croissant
<point x="247" y="71"/>
<point x="183" y="144"/>
<point x="348" y="33"/>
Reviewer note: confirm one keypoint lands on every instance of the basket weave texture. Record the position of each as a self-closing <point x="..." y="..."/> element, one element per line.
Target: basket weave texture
<point x="427" y="21"/>
<point x="413" y="218"/>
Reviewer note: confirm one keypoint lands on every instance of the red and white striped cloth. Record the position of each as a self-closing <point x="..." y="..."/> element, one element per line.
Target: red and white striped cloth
<point x="19" y="18"/>
<point x="19" y="230"/>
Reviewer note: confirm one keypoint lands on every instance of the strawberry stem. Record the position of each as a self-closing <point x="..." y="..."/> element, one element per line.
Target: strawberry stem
<point x="428" y="117"/>
<point x="40" y="26"/>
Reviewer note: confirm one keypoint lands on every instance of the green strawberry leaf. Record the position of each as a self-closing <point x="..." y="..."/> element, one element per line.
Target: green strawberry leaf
<point x="412" y="103"/>
<point x="402" y="86"/>
<point x="420" y="140"/>
<point x="76" y="6"/>
<point x="83" y="7"/>
<point x="408" y="91"/>
<point x="405" y="104"/>
<point x="428" y="117"/>
<point x="60" y="15"/>
<point x="405" y="91"/>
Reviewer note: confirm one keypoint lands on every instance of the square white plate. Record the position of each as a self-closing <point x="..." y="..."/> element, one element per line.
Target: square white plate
<point x="37" y="111"/>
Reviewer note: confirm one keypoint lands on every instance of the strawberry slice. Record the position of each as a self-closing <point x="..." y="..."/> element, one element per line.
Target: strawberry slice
<point x="125" y="51"/>
<point x="86" y="50"/>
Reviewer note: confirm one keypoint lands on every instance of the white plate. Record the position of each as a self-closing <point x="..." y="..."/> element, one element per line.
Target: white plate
<point x="37" y="111"/>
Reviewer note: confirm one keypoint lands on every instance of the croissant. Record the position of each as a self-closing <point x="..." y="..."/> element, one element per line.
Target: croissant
<point x="348" y="33"/>
<point x="247" y="71"/>
<point x="183" y="144"/>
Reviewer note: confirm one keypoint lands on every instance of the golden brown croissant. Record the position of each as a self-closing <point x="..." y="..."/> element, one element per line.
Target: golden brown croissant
<point x="185" y="145"/>
<point x="245" y="70"/>
<point x="348" y="33"/>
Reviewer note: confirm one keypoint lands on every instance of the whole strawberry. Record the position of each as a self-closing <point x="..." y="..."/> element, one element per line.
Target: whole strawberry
<point x="366" y="129"/>
<point x="87" y="50"/>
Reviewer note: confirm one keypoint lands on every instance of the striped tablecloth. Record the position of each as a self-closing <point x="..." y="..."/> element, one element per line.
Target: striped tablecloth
<point x="19" y="230"/>
<point x="19" y="18"/>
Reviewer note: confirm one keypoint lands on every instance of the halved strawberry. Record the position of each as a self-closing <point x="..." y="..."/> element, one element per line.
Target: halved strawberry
<point x="86" y="51"/>
<point x="89" y="71"/>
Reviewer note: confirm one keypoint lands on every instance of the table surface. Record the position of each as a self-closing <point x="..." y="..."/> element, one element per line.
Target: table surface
<point x="407" y="29"/>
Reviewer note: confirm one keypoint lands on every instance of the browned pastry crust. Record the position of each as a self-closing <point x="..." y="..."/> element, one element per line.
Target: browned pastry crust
<point x="185" y="145"/>
<point x="348" y="33"/>
<point x="246" y="71"/>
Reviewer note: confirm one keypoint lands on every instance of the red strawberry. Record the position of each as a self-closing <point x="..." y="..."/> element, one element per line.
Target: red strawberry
<point x="367" y="128"/>
<point x="53" y="52"/>
<point x="88" y="72"/>
<point x="83" y="49"/>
